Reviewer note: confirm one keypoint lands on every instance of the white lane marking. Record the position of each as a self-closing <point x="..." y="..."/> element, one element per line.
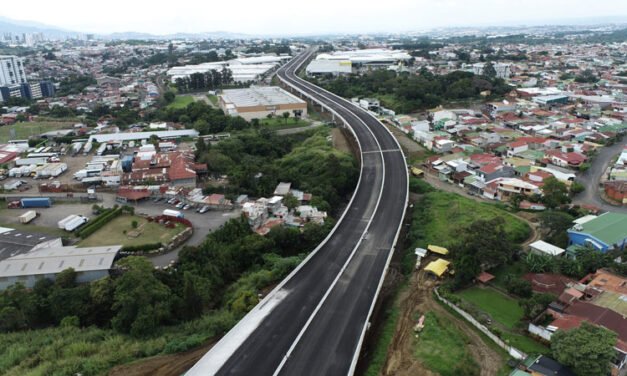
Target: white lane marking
<point x="213" y="360"/>
<point x="364" y="236"/>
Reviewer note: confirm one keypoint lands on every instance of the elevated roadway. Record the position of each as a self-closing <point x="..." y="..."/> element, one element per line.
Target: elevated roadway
<point x="314" y="322"/>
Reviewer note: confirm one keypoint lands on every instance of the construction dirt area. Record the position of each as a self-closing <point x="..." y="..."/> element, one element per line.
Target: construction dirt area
<point x="163" y="365"/>
<point x="417" y="299"/>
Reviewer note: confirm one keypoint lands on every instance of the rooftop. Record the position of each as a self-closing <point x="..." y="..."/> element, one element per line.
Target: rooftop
<point x="610" y="228"/>
<point x="16" y="242"/>
<point x="258" y="96"/>
<point x="56" y="259"/>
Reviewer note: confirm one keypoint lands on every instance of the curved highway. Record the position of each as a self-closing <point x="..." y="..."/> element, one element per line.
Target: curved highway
<point x="314" y="322"/>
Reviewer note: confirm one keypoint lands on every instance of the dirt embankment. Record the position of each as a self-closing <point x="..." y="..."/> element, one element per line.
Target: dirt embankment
<point x="418" y="298"/>
<point x="163" y="365"/>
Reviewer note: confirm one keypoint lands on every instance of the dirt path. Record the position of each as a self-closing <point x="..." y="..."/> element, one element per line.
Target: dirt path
<point x="418" y="297"/>
<point x="163" y="365"/>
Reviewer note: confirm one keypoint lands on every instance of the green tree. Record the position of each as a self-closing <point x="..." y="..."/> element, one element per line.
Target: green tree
<point x="555" y="193"/>
<point x="535" y="305"/>
<point x="169" y="96"/>
<point x="141" y="301"/>
<point x="482" y="245"/>
<point x="66" y="279"/>
<point x="290" y="201"/>
<point x="556" y="223"/>
<point x="587" y="350"/>
<point x="286" y="116"/>
<point x="488" y="70"/>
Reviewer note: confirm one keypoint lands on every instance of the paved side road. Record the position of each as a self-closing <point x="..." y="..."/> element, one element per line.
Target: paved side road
<point x="591" y="178"/>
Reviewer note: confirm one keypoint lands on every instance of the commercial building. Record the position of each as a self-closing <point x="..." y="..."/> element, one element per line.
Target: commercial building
<point x="259" y="102"/>
<point x="605" y="232"/>
<point x="27" y="268"/>
<point x="11" y="70"/>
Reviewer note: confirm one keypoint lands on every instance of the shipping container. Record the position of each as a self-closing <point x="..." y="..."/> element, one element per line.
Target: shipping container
<point x="172" y="213"/>
<point x="28" y="216"/>
<point x="36" y="202"/>
<point x="61" y="224"/>
<point x="75" y="223"/>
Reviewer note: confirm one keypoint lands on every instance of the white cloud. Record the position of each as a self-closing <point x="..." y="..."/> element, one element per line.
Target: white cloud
<point x="293" y="17"/>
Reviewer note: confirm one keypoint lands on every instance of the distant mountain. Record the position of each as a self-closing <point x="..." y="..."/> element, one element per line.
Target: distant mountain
<point x="19" y="26"/>
<point x="206" y="35"/>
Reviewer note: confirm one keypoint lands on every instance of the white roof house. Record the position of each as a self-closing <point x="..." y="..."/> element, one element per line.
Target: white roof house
<point x="542" y="247"/>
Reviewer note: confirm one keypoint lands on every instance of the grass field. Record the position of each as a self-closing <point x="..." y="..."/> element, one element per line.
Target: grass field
<point x="24" y="130"/>
<point x="181" y="101"/>
<point x="441" y="215"/>
<point x="443" y="349"/>
<point x="213" y="99"/>
<point x="505" y="313"/>
<point x="113" y="233"/>
<point x="501" y="308"/>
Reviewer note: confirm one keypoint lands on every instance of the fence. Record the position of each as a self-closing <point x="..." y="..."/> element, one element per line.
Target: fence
<point x="512" y="351"/>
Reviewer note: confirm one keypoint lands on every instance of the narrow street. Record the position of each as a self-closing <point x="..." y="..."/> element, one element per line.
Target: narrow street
<point x="590" y="179"/>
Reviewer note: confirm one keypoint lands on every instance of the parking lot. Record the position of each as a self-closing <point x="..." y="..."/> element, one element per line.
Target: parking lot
<point x="48" y="218"/>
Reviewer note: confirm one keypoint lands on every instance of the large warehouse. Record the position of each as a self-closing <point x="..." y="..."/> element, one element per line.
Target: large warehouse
<point x="259" y="102"/>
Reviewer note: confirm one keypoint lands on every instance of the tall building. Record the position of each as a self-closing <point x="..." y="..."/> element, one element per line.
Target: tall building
<point x="47" y="88"/>
<point x="11" y="70"/>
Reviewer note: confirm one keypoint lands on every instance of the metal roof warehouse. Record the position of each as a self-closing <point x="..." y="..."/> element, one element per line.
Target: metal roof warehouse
<point x="89" y="263"/>
<point x="131" y="136"/>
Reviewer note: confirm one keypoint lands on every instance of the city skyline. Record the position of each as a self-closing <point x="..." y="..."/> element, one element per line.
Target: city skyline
<point x="282" y="18"/>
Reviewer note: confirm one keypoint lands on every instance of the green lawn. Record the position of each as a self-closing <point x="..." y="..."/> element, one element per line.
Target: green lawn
<point x="439" y="217"/>
<point x="24" y="130"/>
<point x="181" y="101"/>
<point x="443" y="349"/>
<point x="213" y="99"/>
<point x="505" y="313"/>
<point x="113" y="233"/>
<point x="501" y="308"/>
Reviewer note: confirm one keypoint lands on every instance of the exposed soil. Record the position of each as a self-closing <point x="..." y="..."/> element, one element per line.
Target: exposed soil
<point x="163" y="365"/>
<point x="418" y="298"/>
<point x="339" y="141"/>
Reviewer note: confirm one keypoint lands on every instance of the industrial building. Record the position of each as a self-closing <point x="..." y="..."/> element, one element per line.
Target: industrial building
<point x="368" y="57"/>
<point x="247" y="69"/>
<point x="14" y="242"/>
<point x="320" y="67"/>
<point x="259" y="102"/>
<point x="27" y="268"/>
<point x="138" y="136"/>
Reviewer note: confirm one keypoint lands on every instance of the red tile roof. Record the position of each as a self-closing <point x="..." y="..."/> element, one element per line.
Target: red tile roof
<point x="548" y="282"/>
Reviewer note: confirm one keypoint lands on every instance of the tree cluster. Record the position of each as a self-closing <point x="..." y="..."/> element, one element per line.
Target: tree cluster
<point x="74" y="84"/>
<point x="212" y="79"/>
<point x="407" y="93"/>
<point x="482" y="245"/>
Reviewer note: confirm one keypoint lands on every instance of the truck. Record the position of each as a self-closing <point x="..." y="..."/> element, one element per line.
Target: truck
<point x="75" y="223"/>
<point x="172" y="213"/>
<point x="27" y="217"/>
<point x="61" y="224"/>
<point x="36" y="202"/>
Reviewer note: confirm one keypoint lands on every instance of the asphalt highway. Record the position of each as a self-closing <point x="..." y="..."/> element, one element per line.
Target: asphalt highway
<point x="313" y="323"/>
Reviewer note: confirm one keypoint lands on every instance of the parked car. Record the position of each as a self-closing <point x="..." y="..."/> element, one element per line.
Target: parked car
<point x="204" y="209"/>
<point x="187" y="207"/>
<point x="180" y="205"/>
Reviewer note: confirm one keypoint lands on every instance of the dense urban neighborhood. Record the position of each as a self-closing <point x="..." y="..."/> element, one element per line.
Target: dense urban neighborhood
<point x="168" y="201"/>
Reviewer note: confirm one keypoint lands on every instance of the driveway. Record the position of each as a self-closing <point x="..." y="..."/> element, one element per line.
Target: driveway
<point x="591" y="178"/>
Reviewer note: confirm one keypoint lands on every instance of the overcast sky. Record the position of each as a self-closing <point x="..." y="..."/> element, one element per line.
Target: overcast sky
<point x="301" y="17"/>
